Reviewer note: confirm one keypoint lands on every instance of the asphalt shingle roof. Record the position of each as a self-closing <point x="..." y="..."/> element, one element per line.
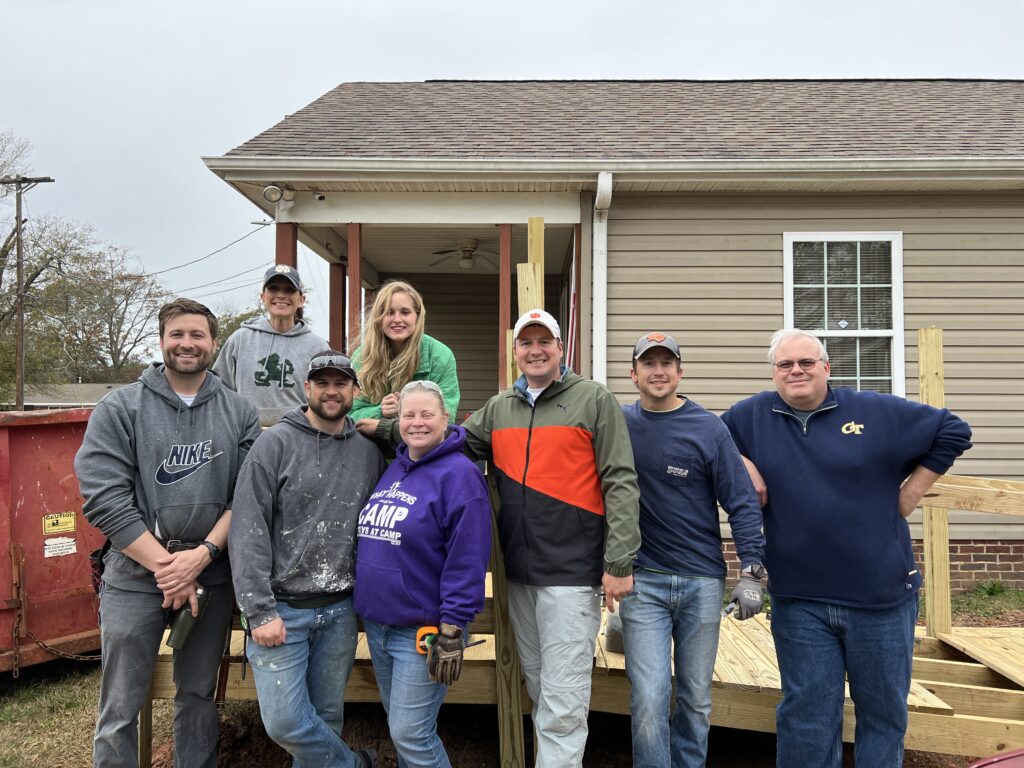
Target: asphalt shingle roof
<point x="654" y="120"/>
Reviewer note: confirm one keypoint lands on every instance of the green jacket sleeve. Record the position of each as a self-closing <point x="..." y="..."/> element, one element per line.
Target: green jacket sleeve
<point x="614" y="456"/>
<point x="444" y="374"/>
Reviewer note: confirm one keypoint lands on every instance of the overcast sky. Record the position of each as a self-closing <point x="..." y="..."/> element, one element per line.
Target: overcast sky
<point x="121" y="98"/>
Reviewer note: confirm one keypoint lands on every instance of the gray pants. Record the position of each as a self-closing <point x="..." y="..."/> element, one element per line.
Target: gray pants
<point x="555" y="629"/>
<point x="131" y="626"/>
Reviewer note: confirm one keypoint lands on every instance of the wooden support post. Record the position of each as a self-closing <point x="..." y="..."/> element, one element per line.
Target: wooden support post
<point x="504" y="305"/>
<point x="336" y="304"/>
<point x="287" y="245"/>
<point x="530" y="286"/>
<point x="938" y="610"/>
<point x="574" y="299"/>
<point x="508" y="676"/>
<point x="355" y="282"/>
<point x="535" y="256"/>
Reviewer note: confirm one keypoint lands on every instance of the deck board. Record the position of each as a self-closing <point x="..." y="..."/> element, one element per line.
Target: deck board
<point x="998" y="648"/>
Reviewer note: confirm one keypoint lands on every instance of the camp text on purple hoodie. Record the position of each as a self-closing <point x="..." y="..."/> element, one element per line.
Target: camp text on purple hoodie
<point x="424" y="539"/>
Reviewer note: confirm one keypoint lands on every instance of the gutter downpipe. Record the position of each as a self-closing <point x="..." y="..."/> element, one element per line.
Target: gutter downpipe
<point x="599" y="342"/>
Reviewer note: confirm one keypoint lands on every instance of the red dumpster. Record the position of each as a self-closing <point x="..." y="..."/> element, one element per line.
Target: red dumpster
<point x="47" y="603"/>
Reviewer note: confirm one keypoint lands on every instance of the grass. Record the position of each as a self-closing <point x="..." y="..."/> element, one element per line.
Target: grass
<point x="989" y="602"/>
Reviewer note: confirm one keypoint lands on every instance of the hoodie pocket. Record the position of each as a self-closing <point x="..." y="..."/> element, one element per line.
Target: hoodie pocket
<point x="187" y="522"/>
<point x="381" y="595"/>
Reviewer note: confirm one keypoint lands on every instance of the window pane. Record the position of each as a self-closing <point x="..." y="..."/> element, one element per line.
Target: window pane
<point x="842" y="309"/>
<point x="808" y="263"/>
<point x="842" y="356"/>
<point x="875" y="262"/>
<point x="876" y="385"/>
<point x="842" y="263"/>
<point x="876" y="357"/>
<point x="876" y="308"/>
<point x="808" y="307"/>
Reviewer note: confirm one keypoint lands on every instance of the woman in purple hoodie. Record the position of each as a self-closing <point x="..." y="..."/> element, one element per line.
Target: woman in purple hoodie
<point x="424" y="542"/>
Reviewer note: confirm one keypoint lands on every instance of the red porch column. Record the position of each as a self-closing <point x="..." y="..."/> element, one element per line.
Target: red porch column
<point x="355" y="282"/>
<point x="504" y="301"/>
<point x="287" y="250"/>
<point x="337" y="303"/>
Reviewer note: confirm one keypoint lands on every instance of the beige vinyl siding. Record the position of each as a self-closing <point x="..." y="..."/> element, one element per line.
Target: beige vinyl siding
<point x="708" y="269"/>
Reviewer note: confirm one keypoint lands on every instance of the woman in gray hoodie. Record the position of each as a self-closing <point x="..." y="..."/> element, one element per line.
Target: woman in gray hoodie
<point x="266" y="359"/>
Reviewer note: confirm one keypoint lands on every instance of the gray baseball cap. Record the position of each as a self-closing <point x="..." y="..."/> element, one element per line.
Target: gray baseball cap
<point x="655" y="339"/>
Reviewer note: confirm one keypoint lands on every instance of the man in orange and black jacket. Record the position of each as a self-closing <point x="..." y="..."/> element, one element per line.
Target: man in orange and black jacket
<point x="568" y="525"/>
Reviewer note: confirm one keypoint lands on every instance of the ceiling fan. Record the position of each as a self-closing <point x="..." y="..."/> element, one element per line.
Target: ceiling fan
<point x="467" y="252"/>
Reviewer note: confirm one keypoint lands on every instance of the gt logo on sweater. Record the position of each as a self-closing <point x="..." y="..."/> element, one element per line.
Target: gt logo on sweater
<point x="186" y="460"/>
<point x="852" y="428"/>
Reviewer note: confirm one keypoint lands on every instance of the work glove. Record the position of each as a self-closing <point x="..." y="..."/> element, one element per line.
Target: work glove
<point x="747" y="599"/>
<point x="444" y="659"/>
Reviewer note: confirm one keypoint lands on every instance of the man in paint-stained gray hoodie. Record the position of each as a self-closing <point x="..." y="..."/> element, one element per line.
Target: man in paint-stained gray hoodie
<point x="157" y="469"/>
<point x="293" y="533"/>
<point x="265" y="360"/>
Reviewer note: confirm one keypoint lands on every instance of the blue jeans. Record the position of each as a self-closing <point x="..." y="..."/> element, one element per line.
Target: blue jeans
<point x="301" y="683"/>
<point x="667" y="609"/>
<point x="817" y="644"/>
<point x="411" y="699"/>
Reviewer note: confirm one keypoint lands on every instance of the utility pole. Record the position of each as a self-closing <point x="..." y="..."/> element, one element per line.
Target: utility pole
<point x="21" y="185"/>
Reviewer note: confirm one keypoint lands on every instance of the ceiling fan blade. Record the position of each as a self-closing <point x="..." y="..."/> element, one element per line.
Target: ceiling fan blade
<point x="486" y="260"/>
<point x="486" y="253"/>
<point x="435" y="263"/>
<point x="445" y="252"/>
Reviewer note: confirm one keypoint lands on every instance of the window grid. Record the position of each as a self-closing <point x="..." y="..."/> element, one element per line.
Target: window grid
<point x="895" y="381"/>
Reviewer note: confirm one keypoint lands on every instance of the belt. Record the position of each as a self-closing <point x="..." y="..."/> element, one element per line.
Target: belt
<point x="177" y="545"/>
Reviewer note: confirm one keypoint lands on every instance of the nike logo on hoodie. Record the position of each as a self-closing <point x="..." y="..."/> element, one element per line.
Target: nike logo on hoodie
<point x="188" y="459"/>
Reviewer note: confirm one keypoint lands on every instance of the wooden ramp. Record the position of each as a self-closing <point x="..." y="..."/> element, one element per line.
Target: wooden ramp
<point x="998" y="648"/>
<point x="957" y="705"/>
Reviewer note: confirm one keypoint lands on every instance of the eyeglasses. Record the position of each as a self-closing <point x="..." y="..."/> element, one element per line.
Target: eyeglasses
<point x="805" y="364"/>
<point x="329" y="361"/>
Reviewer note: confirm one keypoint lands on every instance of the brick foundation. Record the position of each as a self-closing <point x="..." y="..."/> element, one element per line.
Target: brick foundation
<point x="970" y="563"/>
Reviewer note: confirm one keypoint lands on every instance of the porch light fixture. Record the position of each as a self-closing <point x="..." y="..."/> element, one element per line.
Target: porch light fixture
<point x="274" y="194"/>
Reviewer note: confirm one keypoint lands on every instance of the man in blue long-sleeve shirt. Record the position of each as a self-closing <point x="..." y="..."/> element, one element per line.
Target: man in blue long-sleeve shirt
<point x="686" y="464"/>
<point x="838" y="471"/>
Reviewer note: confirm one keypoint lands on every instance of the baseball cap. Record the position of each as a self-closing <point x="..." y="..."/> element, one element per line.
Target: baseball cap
<point x="655" y="339"/>
<point x="537" y="317"/>
<point x="332" y="360"/>
<point x="283" y="270"/>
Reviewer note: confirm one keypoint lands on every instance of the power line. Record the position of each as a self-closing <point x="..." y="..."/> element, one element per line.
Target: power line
<point x="213" y="253"/>
<point x="223" y="279"/>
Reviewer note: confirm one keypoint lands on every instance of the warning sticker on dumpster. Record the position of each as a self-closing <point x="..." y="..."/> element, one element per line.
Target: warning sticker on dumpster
<point x="58" y="522"/>
<point x="60" y="546"/>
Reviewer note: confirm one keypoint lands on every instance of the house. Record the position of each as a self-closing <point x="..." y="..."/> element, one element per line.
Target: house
<point x="49" y="396"/>
<point x="716" y="211"/>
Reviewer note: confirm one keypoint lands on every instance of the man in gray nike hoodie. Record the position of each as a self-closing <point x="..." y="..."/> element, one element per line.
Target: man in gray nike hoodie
<point x="157" y="469"/>
<point x="265" y="360"/>
<point x="293" y="533"/>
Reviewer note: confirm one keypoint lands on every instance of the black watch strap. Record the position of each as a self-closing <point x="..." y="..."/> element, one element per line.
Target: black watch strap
<point x="214" y="549"/>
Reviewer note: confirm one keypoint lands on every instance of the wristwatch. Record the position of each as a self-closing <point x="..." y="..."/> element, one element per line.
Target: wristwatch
<point x="214" y="549"/>
<point x="756" y="571"/>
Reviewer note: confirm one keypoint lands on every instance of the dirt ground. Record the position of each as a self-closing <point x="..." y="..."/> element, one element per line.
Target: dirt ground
<point x="470" y="735"/>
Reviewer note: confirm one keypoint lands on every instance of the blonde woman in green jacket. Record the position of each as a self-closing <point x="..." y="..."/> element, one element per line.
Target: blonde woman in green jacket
<point x="395" y="351"/>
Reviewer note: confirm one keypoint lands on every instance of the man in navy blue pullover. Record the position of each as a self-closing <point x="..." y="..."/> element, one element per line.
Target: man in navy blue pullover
<point x="686" y="463"/>
<point x="837" y="472"/>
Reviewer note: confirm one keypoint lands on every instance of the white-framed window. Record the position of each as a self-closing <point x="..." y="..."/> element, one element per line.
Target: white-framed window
<point x="847" y="288"/>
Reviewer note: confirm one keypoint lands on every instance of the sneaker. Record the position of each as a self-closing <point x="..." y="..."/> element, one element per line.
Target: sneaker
<point x="367" y="756"/>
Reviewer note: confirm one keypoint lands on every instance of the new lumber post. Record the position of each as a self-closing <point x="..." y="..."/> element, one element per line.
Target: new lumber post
<point x="938" y="611"/>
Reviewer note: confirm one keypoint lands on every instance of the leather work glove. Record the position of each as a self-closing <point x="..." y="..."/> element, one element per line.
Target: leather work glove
<point x="444" y="659"/>
<point x="747" y="598"/>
